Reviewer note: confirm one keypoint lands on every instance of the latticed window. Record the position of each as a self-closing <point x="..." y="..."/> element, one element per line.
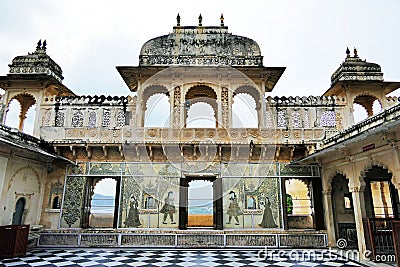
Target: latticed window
<point x="46" y="118"/>
<point x="296" y="120"/>
<point x="92" y="119"/>
<point x="328" y="118"/>
<point x="306" y="119"/>
<point x="77" y="119"/>
<point x="60" y="118"/>
<point x="120" y="119"/>
<point x="282" y="119"/>
<point x="106" y="118"/>
<point x="268" y="119"/>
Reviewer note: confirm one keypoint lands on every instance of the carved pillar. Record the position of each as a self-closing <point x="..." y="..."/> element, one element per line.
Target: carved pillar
<point x="261" y="112"/>
<point x="176" y="113"/>
<point x="328" y="214"/>
<point x="225" y="107"/>
<point x="359" y="214"/>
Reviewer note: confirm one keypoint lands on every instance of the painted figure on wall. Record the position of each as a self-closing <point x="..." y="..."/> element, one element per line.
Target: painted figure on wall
<point x="168" y="208"/>
<point x="233" y="209"/>
<point x="133" y="216"/>
<point x="268" y="219"/>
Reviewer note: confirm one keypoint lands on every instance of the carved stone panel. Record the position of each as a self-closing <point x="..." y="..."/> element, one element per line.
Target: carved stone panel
<point x="54" y="239"/>
<point x="177" y="107"/>
<point x="251" y="240"/>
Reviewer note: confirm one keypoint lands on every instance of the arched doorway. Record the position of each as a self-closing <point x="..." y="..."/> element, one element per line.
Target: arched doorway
<point x="101" y="203"/>
<point x="18" y="214"/>
<point x="343" y="211"/>
<point x="381" y="197"/>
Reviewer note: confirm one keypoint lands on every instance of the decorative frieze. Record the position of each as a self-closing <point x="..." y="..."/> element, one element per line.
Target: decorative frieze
<point x="303" y="240"/>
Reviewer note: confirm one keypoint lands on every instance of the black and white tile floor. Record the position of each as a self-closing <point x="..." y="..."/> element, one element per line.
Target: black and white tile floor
<point x="169" y="257"/>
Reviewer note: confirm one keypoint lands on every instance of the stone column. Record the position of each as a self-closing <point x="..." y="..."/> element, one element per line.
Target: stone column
<point x="359" y="214"/>
<point x="224" y="106"/>
<point x="176" y="108"/>
<point x="329" y="218"/>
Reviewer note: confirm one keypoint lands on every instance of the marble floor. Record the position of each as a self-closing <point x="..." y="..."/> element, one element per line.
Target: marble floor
<point x="177" y="257"/>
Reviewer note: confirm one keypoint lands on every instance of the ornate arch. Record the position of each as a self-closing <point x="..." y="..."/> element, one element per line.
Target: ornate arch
<point x="331" y="176"/>
<point x="22" y="98"/>
<point x="202" y="93"/>
<point x="371" y="164"/>
<point x="250" y="90"/>
<point x="151" y="90"/>
<point x="367" y="101"/>
<point x="34" y="171"/>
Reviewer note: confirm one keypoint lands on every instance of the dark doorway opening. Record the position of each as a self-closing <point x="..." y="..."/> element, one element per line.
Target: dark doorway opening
<point x="19" y="211"/>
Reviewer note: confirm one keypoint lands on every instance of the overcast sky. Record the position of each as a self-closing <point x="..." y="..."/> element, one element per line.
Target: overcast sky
<point x="89" y="38"/>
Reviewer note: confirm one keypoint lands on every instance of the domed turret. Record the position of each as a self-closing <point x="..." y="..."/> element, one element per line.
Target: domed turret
<point x="355" y="69"/>
<point x="37" y="62"/>
<point x="200" y="46"/>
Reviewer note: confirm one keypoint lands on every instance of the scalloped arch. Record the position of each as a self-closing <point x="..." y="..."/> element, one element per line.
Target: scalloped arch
<point x="31" y="169"/>
<point x="151" y="90"/>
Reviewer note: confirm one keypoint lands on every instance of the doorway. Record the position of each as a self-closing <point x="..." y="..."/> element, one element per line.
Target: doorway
<point x="381" y="196"/>
<point x="101" y="202"/>
<point x="19" y="211"/>
<point x="200" y="203"/>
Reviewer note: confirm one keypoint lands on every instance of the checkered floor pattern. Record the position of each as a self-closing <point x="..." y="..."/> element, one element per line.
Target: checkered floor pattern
<point x="170" y="257"/>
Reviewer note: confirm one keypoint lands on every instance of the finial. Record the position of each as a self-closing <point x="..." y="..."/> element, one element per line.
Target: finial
<point x="178" y="20"/>
<point x="39" y="44"/>
<point x="200" y="20"/>
<point x="222" y="20"/>
<point x="355" y="52"/>
<point x="348" y="52"/>
<point x="44" y="44"/>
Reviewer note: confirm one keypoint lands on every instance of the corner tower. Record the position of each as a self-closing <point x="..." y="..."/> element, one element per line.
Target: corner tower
<point x="32" y="80"/>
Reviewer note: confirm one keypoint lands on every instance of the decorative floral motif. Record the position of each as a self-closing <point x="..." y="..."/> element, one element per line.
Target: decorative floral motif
<point x="296" y="121"/>
<point x="282" y="122"/>
<point x="60" y="117"/>
<point x="120" y="119"/>
<point x="177" y="103"/>
<point x="106" y="118"/>
<point x="77" y="119"/>
<point x="225" y="107"/>
<point x="73" y="200"/>
<point x="92" y="119"/>
<point x="268" y="119"/>
<point x="46" y="118"/>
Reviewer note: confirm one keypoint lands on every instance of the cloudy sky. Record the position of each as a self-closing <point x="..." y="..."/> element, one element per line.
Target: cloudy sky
<point x="89" y="38"/>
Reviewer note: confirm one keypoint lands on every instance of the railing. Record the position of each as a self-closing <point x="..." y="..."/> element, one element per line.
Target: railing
<point x="381" y="237"/>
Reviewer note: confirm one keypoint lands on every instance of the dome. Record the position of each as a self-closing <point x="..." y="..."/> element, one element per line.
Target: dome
<point x="356" y="69"/>
<point x="37" y="62"/>
<point x="200" y="46"/>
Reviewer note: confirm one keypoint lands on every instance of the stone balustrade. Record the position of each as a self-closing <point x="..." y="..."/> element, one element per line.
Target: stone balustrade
<point x="391" y="115"/>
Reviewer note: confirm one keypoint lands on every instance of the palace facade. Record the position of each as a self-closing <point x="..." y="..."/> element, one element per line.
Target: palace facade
<point x="303" y="173"/>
